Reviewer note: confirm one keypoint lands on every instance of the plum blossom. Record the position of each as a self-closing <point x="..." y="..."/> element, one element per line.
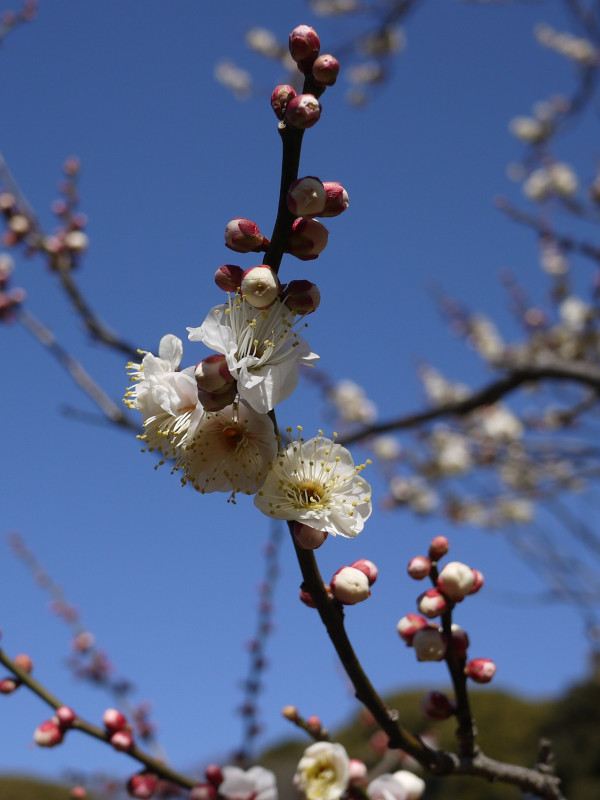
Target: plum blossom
<point x="167" y="398"/>
<point x="228" y="451"/>
<point x="316" y="482"/>
<point x="323" y="772"/>
<point x="256" y="783"/>
<point x="386" y="787"/>
<point x="261" y="347"/>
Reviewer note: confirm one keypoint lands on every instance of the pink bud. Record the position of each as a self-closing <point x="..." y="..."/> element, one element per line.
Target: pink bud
<point x="113" y="720"/>
<point x="337" y="199"/>
<point x="66" y="717"/>
<point x="290" y="712"/>
<point x="122" y="740"/>
<point x="280" y="98"/>
<point x="460" y="641"/>
<point x="435" y="705"/>
<point x="8" y="685"/>
<point x="438" y="548"/>
<point x="429" y="644"/>
<point x="303" y="111"/>
<point x="313" y="723"/>
<point x="260" y="286"/>
<point x="304" y="44"/>
<point x="302" y="297"/>
<point x="350" y="585"/>
<point x="48" y="734"/>
<point x="368" y="567"/>
<point x="25" y="662"/>
<point x="229" y="277"/>
<point x="409" y="625"/>
<point x="306" y="197"/>
<point x="478" y="581"/>
<point x="78" y="793"/>
<point x="480" y="670"/>
<point x="419" y="567"/>
<point x="7" y="202"/>
<point x="308" y="538"/>
<point x="142" y="785"/>
<point x="243" y="236"/>
<point x="307" y="239"/>
<point x="83" y="642"/>
<point x="214" y="775"/>
<point x="358" y="772"/>
<point x="203" y="791"/>
<point x="325" y="70"/>
<point x="306" y="598"/>
<point x="212" y="374"/>
<point x="215" y="401"/>
<point x="456" y="581"/>
<point x="432" y="603"/>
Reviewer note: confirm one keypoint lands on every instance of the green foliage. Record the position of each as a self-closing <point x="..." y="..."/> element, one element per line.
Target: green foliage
<point x="22" y="788"/>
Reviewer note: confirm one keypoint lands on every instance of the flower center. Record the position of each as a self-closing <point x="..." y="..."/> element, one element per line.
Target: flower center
<point x="306" y="494"/>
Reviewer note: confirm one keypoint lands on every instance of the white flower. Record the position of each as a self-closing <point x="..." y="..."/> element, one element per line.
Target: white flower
<point x="386" y="787"/>
<point x="316" y="483"/>
<point x="261" y="347"/>
<point x="499" y="423"/>
<point x="167" y="398"/>
<point x="574" y="313"/>
<point x="256" y="783"/>
<point x="353" y="404"/>
<point x="387" y="448"/>
<point x="528" y="129"/>
<point x="228" y="451"/>
<point x="414" y="786"/>
<point x="323" y="772"/>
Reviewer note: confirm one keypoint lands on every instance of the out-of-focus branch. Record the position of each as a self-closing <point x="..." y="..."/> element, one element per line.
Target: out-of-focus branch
<point x="82" y="378"/>
<point x="154" y="765"/>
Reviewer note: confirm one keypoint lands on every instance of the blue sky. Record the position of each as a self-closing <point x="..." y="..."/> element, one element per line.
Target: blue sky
<point x="165" y="578"/>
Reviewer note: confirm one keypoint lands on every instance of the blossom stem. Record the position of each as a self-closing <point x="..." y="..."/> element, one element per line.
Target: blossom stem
<point x="155" y="766"/>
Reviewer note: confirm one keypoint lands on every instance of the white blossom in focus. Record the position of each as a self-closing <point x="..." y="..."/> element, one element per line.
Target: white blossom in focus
<point x="228" y="451"/>
<point x="255" y="783"/>
<point x="167" y="398"/>
<point x="323" y="772"/>
<point x="316" y="482"/>
<point x="261" y="347"/>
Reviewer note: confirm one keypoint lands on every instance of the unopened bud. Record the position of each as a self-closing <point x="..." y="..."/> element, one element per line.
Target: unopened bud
<point x="214" y="775"/>
<point x="480" y="670"/>
<point x="7" y="202"/>
<point x="19" y="224"/>
<point x="306" y="537"/>
<point x="25" y="662"/>
<point x="306" y="197"/>
<point x="290" y="712"/>
<point x="456" y="581"/>
<point x="368" y="567"/>
<point x="48" y="734"/>
<point x="142" y="785"/>
<point x="438" y="548"/>
<point x="83" y="642"/>
<point x="215" y="401"/>
<point x="66" y="717"/>
<point x="9" y="685"/>
<point x="419" y="567"/>
<point x="303" y="111"/>
<point x="460" y="641"/>
<point x="122" y="741"/>
<point x="78" y="793"/>
<point x="350" y="585"/>
<point x="314" y="724"/>
<point x="229" y="277"/>
<point x="358" y="772"/>
<point x="432" y="603"/>
<point x="260" y="286"/>
<point x="435" y="705"/>
<point x="429" y="644"/>
<point x="336" y="199"/>
<point x="212" y="374"/>
<point x="306" y="598"/>
<point x="307" y="239"/>
<point x="302" y="297"/>
<point x="325" y="70"/>
<point x="77" y="241"/>
<point x="203" y="791"/>
<point x="304" y="44"/>
<point x="479" y="580"/>
<point x="243" y="236"/>
<point x="409" y="625"/>
<point x="280" y="98"/>
<point x="113" y="720"/>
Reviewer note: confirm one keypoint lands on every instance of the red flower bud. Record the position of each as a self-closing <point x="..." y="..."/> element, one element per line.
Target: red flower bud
<point x="325" y="70"/>
<point x="229" y="277"/>
<point x="307" y="239"/>
<point x="142" y="785"/>
<point x="480" y="670"/>
<point x="122" y="740"/>
<point x="336" y="199"/>
<point x="438" y="548"/>
<point x="303" y="111"/>
<point x="48" y="734"/>
<point x="113" y="720"/>
<point x="302" y="297"/>
<point x="419" y="567"/>
<point x="368" y="567"/>
<point x="435" y="705"/>
<point x="409" y="625"/>
<point x="304" y="44"/>
<point x="280" y="98"/>
<point x="243" y="236"/>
